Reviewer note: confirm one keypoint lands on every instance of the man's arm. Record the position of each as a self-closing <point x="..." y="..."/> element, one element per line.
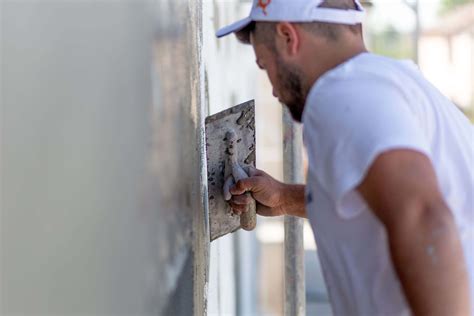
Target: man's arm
<point x="273" y="197"/>
<point x="401" y="188"/>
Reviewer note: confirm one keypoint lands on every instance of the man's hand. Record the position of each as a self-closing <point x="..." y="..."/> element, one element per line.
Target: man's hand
<point x="273" y="197"/>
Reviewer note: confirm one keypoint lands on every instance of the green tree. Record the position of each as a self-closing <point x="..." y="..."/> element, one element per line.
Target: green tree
<point x="447" y="5"/>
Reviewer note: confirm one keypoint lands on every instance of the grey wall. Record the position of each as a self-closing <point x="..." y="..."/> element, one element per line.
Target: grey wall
<point x="102" y="209"/>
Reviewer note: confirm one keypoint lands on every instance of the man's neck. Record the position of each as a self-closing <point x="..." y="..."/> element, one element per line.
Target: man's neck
<point x="330" y="59"/>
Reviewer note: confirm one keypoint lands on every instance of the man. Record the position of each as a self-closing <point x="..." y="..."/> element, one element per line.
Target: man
<point x="389" y="190"/>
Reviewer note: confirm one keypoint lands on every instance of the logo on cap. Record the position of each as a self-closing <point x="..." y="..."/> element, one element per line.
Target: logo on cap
<point x="263" y="4"/>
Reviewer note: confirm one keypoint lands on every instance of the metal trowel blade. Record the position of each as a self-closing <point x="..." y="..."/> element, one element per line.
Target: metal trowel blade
<point x="241" y="119"/>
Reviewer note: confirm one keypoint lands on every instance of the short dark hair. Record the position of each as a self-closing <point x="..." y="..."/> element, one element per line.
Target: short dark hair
<point x="244" y="34"/>
<point x="264" y="32"/>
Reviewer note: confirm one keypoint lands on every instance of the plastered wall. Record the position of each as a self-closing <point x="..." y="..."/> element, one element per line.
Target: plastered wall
<point x="102" y="205"/>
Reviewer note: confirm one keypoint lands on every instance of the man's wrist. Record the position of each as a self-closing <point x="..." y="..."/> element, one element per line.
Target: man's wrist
<point x="292" y="200"/>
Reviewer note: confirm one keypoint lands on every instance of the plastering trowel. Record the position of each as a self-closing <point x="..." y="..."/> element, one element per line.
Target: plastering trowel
<point x="230" y="148"/>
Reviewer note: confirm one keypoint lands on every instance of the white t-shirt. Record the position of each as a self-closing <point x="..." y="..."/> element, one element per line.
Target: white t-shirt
<point x="365" y="106"/>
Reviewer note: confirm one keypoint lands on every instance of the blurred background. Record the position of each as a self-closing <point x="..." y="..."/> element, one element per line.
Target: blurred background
<point x="103" y="175"/>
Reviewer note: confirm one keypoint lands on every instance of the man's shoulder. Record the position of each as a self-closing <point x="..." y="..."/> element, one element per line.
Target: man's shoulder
<point x="363" y="85"/>
<point x="354" y="87"/>
<point x="360" y="71"/>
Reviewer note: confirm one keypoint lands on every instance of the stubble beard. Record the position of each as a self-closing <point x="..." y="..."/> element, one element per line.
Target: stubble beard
<point x="293" y="89"/>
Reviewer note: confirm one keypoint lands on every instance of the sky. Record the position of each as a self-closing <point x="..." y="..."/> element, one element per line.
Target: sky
<point x="398" y="14"/>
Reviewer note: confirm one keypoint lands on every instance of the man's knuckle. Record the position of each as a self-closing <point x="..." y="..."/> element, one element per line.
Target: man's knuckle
<point x="240" y="185"/>
<point x="235" y="206"/>
<point x="238" y="199"/>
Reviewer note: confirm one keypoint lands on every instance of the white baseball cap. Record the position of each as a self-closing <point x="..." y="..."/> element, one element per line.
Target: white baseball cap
<point x="295" y="11"/>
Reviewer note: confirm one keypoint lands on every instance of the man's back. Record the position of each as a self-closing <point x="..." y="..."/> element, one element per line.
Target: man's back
<point x="362" y="108"/>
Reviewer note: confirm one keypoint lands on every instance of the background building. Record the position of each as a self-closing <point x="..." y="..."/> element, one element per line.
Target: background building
<point x="447" y="55"/>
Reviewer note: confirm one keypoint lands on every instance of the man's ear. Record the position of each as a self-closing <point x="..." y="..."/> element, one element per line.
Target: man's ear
<point x="287" y="38"/>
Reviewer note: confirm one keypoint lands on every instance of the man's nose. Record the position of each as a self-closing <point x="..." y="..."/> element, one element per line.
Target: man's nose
<point x="274" y="93"/>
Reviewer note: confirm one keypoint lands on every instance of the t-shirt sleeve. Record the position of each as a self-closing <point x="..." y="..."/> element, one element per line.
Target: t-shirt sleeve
<point x="347" y="127"/>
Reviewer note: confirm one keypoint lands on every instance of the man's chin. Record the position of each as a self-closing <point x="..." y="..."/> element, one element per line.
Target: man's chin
<point x="297" y="117"/>
<point x="296" y="112"/>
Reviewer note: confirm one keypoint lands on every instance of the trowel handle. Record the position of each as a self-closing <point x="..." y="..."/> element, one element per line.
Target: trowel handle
<point x="248" y="220"/>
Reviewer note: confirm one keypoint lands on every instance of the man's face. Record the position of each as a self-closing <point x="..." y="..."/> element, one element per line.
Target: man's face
<point x="286" y="79"/>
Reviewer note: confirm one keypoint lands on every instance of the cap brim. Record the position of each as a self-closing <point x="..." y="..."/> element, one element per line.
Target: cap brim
<point x="234" y="27"/>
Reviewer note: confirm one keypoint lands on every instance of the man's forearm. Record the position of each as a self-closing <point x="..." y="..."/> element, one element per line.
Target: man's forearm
<point x="428" y="257"/>
<point x="293" y="202"/>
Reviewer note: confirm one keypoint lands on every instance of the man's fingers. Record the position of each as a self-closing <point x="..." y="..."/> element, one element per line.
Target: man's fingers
<point x="253" y="172"/>
<point x="238" y="209"/>
<point x="262" y="210"/>
<point x="243" y="199"/>
<point x="245" y="185"/>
